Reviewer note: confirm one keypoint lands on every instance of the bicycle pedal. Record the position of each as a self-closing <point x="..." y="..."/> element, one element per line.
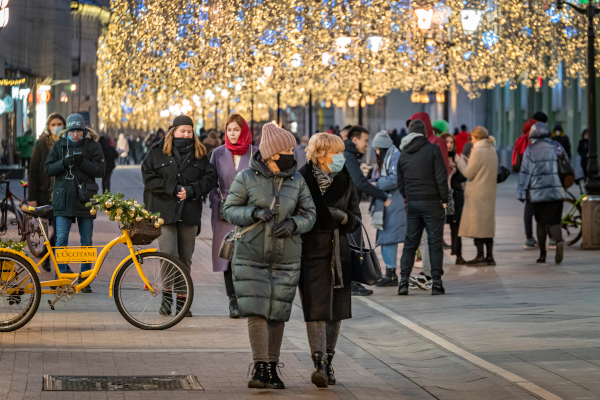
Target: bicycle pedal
<point x="50" y="304"/>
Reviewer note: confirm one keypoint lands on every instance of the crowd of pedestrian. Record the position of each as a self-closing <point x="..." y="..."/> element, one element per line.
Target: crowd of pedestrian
<point x="294" y="206"/>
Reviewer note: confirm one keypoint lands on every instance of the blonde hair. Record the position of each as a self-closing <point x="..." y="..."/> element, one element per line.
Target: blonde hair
<point x="321" y="144"/>
<point x="200" y="150"/>
<point x="480" y="133"/>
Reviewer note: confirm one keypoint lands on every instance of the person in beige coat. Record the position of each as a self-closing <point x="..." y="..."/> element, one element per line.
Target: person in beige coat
<point x="478" y="219"/>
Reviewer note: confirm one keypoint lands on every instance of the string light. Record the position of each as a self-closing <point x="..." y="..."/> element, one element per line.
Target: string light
<point x="160" y="58"/>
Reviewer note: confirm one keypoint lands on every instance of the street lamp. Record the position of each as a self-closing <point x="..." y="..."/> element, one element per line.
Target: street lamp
<point x="3" y="13"/>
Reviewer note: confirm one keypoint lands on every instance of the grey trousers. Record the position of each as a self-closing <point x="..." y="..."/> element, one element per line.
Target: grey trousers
<point x="322" y="335"/>
<point x="178" y="240"/>
<point x="425" y="259"/>
<point x="265" y="339"/>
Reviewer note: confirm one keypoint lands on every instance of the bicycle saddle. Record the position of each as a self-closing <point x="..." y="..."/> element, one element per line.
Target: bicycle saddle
<point x="40" y="212"/>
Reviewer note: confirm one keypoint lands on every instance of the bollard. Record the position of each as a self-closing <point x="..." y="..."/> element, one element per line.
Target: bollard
<point x="590" y="215"/>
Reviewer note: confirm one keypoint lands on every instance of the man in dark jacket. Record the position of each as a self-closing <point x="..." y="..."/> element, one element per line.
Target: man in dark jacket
<point x="423" y="180"/>
<point x="356" y="145"/>
<point x="75" y="162"/>
<point x="558" y="135"/>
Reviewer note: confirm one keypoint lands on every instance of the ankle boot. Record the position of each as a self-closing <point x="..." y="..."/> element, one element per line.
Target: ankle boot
<point x="392" y="278"/>
<point x="179" y="305"/>
<point x="260" y="376"/>
<point x="480" y="259"/>
<point x="542" y="259"/>
<point x="330" y="374"/>
<point x="234" y="312"/>
<point x="166" y="303"/>
<point x="319" y="376"/>
<point x="274" y="382"/>
<point x="490" y="254"/>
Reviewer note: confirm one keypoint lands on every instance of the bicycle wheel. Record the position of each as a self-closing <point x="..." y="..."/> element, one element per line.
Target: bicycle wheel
<point x="164" y="308"/>
<point x="20" y="292"/>
<point x="571" y="223"/>
<point x="35" y="239"/>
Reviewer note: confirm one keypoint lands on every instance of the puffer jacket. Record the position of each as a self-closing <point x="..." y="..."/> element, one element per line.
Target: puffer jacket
<point x="266" y="269"/>
<point x="539" y="171"/>
<point x="65" y="199"/>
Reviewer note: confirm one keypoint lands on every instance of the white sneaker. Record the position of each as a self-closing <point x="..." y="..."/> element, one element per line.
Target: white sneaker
<point x="420" y="281"/>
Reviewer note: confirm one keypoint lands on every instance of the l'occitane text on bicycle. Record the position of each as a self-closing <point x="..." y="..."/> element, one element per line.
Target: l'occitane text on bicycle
<point x="88" y="254"/>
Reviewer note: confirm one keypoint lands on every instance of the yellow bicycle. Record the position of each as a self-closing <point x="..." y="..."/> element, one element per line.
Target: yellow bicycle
<point x="152" y="290"/>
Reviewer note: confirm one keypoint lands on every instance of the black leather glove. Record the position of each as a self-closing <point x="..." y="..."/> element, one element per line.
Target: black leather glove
<point x="263" y="214"/>
<point x="339" y="215"/>
<point x="522" y="201"/>
<point x="69" y="160"/>
<point x="285" y="229"/>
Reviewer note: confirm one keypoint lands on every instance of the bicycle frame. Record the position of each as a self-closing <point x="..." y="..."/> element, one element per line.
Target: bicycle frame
<point x="10" y="196"/>
<point x="67" y="278"/>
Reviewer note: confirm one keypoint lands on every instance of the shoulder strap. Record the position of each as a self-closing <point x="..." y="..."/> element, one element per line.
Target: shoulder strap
<point x="239" y="235"/>
<point x="251" y="155"/>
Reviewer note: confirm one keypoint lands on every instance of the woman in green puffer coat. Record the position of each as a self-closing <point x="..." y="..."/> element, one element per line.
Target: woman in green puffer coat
<point x="266" y="259"/>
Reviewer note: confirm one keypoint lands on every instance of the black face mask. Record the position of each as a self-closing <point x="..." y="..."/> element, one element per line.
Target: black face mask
<point x="285" y="162"/>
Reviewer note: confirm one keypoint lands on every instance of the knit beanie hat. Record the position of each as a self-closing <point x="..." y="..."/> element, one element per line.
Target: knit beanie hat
<point x="382" y="141"/>
<point x="182" y="120"/>
<point x="417" y="126"/>
<point x="540" y="116"/>
<point x="275" y="140"/>
<point x="75" y="122"/>
<point x="441" y="125"/>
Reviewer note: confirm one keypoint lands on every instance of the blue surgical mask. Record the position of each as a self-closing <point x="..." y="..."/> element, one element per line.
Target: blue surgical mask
<point x="338" y="163"/>
<point x="69" y="137"/>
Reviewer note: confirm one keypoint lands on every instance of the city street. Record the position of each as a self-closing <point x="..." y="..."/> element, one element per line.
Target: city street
<point x="519" y="330"/>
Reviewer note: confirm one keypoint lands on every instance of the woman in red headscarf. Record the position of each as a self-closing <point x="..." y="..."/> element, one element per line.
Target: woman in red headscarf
<point x="229" y="159"/>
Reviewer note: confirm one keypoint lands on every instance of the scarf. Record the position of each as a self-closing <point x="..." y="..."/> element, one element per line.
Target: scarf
<point x="182" y="149"/>
<point x="245" y="139"/>
<point x="323" y="178"/>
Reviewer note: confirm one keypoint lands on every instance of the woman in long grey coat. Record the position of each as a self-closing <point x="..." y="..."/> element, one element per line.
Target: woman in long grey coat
<point x="266" y="259"/>
<point x="539" y="180"/>
<point x="391" y="230"/>
<point x="478" y="220"/>
<point x="229" y="159"/>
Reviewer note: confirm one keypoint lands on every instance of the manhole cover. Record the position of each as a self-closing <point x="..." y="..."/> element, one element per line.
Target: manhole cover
<point x="121" y="383"/>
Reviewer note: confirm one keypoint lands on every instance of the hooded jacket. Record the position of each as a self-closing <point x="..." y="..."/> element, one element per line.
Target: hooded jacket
<point x="266" y="269"/>
<point x="521" y="144"/>
<point x="358" y="178"/>
<point x="40" y="183"/>
<point x="558" y="135"/>
<point x="423" y="116"/>
<point x="539" y="170"/>
<point x="422" y="175"/>
<point x="65" y="195"/>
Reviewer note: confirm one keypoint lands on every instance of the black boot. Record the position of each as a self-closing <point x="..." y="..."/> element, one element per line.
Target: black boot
<point x="179" y="305"/>
<point x="274" y="382"/>
<point x="480" y="259"/>
<point x="166" y="303"/>
<point x="403" y="288"/>
<point x="260" y="376"/>
<point x="319" y="376"/>
<point x="391" y="278"/>
<point x="490" y="254"/>
<point x="542" y="259"/>
<point x="233" y="307"/>
<point x="437" y="288"/>
<point x="560" y="252"/>
<point x="330" y="374"/>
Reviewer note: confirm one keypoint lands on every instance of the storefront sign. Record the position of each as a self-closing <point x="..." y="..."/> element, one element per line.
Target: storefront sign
<point x="11" y="82"/>
<point x="76" y="254"/>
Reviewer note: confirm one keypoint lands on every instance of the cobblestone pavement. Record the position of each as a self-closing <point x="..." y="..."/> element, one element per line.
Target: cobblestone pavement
<point x="515" y="331"/>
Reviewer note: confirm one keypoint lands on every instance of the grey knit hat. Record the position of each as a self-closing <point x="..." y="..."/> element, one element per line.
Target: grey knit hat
<point x="417" y="126"/>
<point x="275" y="140"/>
<point x="382" y="141"/>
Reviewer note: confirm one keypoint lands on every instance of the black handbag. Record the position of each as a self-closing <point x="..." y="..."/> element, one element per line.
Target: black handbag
<point x="503" y="173"/>
<point x="221" y="205"/>
<point x="566" y="173"/>
<point x="87" y="190"/>
<point x="365" y="264"/>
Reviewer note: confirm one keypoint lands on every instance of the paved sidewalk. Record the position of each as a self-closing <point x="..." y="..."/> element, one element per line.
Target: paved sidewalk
<point x="538" y="323"/>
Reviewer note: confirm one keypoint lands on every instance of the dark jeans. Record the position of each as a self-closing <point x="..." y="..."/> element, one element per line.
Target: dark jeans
<point x="86" y="229"/>
<point x="456" y="240"/>
<point x="106" y="181"/>
<point x="431" y="216"/>
<point x="528" y="219"/>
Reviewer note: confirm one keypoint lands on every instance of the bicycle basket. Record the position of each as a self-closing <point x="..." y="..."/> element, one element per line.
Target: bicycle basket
<point x="143" y="233"/>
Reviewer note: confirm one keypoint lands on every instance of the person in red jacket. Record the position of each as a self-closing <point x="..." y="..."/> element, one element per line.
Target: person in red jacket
<point x="423" y="116"/>
<point x="517" y="157"/>
<point x="461" y="139"/>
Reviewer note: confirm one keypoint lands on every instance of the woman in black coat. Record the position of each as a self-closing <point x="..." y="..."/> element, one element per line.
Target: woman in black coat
<point x="326" y="297"/>
<point x="110" y="155"/>
<point x="458" y="194"/>
<point x="176" y="176"/>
